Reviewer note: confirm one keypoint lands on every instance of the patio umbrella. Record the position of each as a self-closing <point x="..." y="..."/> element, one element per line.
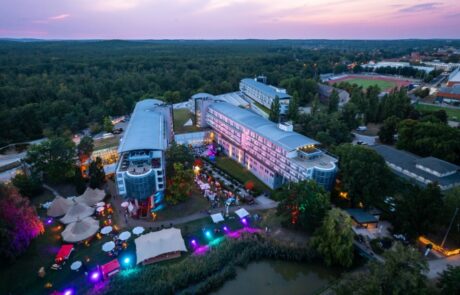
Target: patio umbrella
<point x="99" y="209"/>
<point x="138" y="230"/>
<point x="109" y="246"/>
<point x="100" y="204"/>
<point x="76" y="265"/>
<point x="59" y="207"/>
<point x="76" y="212"/>
<point x="124" y="235"/>
<point x="106" y="230"/>
<point x="124" y="205"/>
<point x="91" y="196"/>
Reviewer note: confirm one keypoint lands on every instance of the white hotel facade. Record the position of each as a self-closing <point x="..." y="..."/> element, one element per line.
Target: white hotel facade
<point x="265" y="94"/>
<point x="272" y="152"/>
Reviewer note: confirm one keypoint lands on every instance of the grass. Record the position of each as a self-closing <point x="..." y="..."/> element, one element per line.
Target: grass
<point x="240" y="173"/>
<point x="365" y="83"/>
<point x="262" y="107"/>
<point x="21" y="276"/>
<point x="453" y="114"/>
<point x="181" y="116"/>
<point x="104" y="143"/>
<point x="194" y="204"/>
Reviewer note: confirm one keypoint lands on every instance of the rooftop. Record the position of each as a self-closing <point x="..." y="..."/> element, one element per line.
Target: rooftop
<point x="455" y="76"/>
<point x="451" y="90"/>
<point x="267" y="89"/>
<point x="436" y="164"/>
<point x="145" y="130"/>
<point x="361" y="216"/>
<point x="285" y="139"/>
<point x="407" y="161"/>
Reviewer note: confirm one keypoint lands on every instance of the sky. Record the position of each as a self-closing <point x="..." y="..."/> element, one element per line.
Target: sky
<point x="229" y="19"/>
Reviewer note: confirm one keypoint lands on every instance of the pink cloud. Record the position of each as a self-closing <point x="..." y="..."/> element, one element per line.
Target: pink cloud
<point x="59" y="17"/>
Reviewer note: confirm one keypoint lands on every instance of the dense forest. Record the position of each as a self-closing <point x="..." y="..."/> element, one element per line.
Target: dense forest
<point x="49" y="87"/>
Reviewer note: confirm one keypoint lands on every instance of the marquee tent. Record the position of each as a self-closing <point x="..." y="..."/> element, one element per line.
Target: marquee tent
<point x="76" y="212"/>
<point x="242" y="213"/>
<point x="91" y="196"/>
<point x="216" y="218"/>
<point x="80" y="230"/>
<point x="59" y="206"/>
<point x="160" y="245"/>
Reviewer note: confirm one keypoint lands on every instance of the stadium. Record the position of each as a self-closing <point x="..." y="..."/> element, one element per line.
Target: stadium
<point x="385" y="83"/>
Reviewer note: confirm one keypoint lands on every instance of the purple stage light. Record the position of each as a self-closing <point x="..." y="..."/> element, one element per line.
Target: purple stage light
<point x="68" y="292"/>
<point x="95" y="276"/>
<point x="244" y="220"/>
<point x="225" y="228"/>
<point x="49" y="221"/>
<point x="193" y="242"/>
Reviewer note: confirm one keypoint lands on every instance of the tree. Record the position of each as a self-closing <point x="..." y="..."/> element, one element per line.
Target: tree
<point x="79" y="181"/>
<point x="29" y="186"/>
<point x="333" y="104"/>
<point x="275" y="109"/>
<point x="418" y="211"/>
<point x="86" y="146"/>
<point x="302" y="204"/>
<point x="178" y="153"/>
<point x="108" y="126"/>
<point x="53" y="157"/>
<point x="364" y="174"/>
<point x="179" y="185"/>
<point x="96" y="173"/>
<point x="388" y="130"/>
<point x="19" y="223"/>
<point x="401" y="273"/>
<point x="449" y="281"/>
<point x="315" y="104"/>
<point x="326" y="128"/>
<point x="293" y="111"/>
<point x="334" y="239"/>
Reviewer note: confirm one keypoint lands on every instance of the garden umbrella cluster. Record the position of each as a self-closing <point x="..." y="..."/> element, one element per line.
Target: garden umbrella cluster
<point x="80" y="230"/>
<point x="91" y="197"/>
<point x="59" y="207"/>
<point x="78" y="211"/>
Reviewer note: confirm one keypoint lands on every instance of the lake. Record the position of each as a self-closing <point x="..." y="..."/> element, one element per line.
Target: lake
<point x="278" y="277"/>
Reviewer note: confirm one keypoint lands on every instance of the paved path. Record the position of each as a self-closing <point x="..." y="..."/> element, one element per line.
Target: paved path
<point x="439" y="265"/>
<point x="52" y="190"/>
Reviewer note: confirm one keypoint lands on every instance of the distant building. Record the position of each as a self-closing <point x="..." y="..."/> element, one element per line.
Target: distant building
<point x="140" y="171"/>
<point x="395" y="64"/>
<point x="449" y="94"/>
<point x="325" y="92"/>
<point x="421" y="170"/>
<point x="272" y="152"/>
<point x="438" y="65"/>
<point x="454" y="78"/>
<point x="265" y="94"/>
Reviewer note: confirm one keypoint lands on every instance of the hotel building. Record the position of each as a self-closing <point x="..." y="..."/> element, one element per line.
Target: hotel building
<point x="265" y="94"/>
<point x="272" y="152"/>
<point x="140" y="171"/>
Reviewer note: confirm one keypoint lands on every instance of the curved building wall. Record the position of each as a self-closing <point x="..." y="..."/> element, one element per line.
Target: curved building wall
<point x="140" y="186"/>
<point x="326" y="178"/>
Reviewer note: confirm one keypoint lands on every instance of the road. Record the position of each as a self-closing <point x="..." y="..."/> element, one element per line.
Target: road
<point x="439" y="265"/>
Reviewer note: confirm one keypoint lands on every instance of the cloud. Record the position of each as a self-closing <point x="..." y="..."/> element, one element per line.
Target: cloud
<point x="421" y="7"/>
<point x="59" y="17"/>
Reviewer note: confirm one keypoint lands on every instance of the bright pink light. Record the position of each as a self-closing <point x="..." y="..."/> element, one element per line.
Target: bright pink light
<point x="201" y="250"/>
<point x="95" y="276"/>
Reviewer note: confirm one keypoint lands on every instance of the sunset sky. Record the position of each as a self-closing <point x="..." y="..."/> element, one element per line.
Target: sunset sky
<point x="228" y="19"/>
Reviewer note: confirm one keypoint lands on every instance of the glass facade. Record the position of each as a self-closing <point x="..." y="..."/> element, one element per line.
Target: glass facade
<point x="324" y="177"/>
<point x="140" y="186"/>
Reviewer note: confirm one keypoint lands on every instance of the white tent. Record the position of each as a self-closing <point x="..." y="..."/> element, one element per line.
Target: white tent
<point x="76" y="212"/>
<point x="59" y="207"/>
<point x="80" y="230"/>
<point x="216" y="218"/>
<point x="241" y="213"/>
<point x="158" y="243"/>
<point x="91" y="196"/>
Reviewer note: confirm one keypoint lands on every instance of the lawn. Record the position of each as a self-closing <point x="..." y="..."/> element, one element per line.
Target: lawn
<point x="453" y="114"/>
<point x="365" y="83"/>
<point x="181" y="116"/>
<point x="21" y="277"/>
<point x="104" y="143"/>
<point x="262" y="107"/>
<point x="237" y="171"/>
<point x="194" y="204"/>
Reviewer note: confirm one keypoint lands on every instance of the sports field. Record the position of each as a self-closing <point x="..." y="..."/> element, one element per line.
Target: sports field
<point x="385" y="83"/>
<point x="364" y="83"/>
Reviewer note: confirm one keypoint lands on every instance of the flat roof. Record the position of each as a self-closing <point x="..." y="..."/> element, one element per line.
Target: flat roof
<point x="407" y="161"/>
<point x="455" y="76"/>
<point x="437" y="165"/>
<point x="285" y="139"/>
<point x="450" y="90"/>
<point x="145" y="130"/>
<point x="267" y="89"/>
<point x="361" y="216"/>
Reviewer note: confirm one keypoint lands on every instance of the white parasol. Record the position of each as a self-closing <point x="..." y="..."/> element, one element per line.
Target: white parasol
<point x="138" y="230"/>
<point x="124" y="235"/>
<point x="76" y="265"/>
<point x="106" y="230"/>
<point x="109" y="246"/>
